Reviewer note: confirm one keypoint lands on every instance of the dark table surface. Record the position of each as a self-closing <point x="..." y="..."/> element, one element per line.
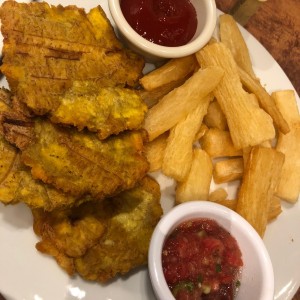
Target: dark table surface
<point x="276" y="24"/>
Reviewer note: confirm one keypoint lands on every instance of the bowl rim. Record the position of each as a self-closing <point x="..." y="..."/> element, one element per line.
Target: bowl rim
<point x="163" y="51"/>
<point x="183" y="212"/>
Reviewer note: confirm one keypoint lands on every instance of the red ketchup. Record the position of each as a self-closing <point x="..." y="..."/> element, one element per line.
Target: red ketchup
<point x="201" y="260"/>
<point x="163" y="22"/>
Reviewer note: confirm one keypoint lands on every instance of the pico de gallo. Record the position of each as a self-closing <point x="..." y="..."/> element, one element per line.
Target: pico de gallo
<point x="202" y="260"/>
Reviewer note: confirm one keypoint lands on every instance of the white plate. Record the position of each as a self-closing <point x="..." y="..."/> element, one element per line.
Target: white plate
<point x="26" y="274"/>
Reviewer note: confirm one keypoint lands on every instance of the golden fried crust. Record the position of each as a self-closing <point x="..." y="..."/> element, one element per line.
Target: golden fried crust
<point x="80" y="164"/>
<point x="46" y="48"/>
<point x="67" y="230"/>
<point x="75" y="162"/>
<point x="127" y="220"/>
<point x="57" y="24"/>
<point x="105" y="110"/>
<point x="125" y="244"/>
<point x="8" y="157"/>
<point x="18" y="185"/>
<point x="16" y="182"/>
<point x="63" y="260"/>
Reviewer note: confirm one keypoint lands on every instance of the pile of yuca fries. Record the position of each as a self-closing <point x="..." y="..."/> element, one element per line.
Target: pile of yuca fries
<point x="210" y="120"/>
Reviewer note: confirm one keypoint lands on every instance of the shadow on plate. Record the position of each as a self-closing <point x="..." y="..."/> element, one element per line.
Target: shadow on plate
<point x="18" y="215"/>
<point x="4" y="297"/>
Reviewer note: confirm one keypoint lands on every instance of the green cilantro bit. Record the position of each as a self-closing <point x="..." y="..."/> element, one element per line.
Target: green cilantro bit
<point x="238" y="283"/>
<point x="183" y="285"/>
<point x="189" y="286"/>
<point x="200" y="278"/>
<point x="218" y="268"/>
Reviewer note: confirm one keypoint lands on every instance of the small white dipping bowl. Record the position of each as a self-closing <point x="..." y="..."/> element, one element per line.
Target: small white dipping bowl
<point x="257" y="279"/>
<point x="206" y="15"/>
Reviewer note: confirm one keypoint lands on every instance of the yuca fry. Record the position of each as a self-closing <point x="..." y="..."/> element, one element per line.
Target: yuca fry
<point x="265" y="100"/>
<point x="253" y="99"/>
<point x="178" y="154"/>
<point x="285" y="101"/>
<point x="218" y="143"/>
<point x="228" y="170"/>
<point x="260" y="179"/>
<point x="246" y="151"/>
<point x="228" y="203"/>
<point x="215" y="118"/>
<point x="152" y="97"/>
<point x="248" y="125"/>
<point x="196" y="185"/>
<point x="212" y="41"/>
<point x="176" y="105"/>
<point x="202" y="130"/>
<point x="174" y="70"/>
<point x="155" y="150"/>
<point x="289" y="144"/>
<point x="274" y="210"/>
<point x="231" y="36"/>
<point x="219" y="194"/>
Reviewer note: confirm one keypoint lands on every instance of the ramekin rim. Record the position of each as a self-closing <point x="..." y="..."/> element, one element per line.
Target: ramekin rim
<point x="176" y="216"/>
<point x="158" y="50"/>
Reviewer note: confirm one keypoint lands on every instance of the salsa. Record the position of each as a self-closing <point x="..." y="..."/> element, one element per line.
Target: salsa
<point x="163" y="22"/>
<point x="202" y="260"/>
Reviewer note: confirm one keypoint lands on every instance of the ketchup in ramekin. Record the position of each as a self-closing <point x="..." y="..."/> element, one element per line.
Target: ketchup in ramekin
<point x="164" y="22"/>
<point x="202" y="260"/>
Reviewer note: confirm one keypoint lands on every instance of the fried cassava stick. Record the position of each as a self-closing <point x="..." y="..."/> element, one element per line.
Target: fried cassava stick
<point x="261" y="176"/>
<point x="178" y="103"/>
<point x="179" y="151"/>
<point x="248" y="125"/>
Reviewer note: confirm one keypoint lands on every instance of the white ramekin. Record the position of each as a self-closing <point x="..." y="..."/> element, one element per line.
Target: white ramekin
<point x="206" y="14"/>
<point x="257" y="280"/>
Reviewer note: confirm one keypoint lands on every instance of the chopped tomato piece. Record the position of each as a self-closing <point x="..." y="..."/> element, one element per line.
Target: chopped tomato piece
<point x="201" y="260"/>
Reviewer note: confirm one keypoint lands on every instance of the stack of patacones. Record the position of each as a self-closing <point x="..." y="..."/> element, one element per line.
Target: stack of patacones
<point x="220" y="125"/>
<point x="71" y="138"/>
